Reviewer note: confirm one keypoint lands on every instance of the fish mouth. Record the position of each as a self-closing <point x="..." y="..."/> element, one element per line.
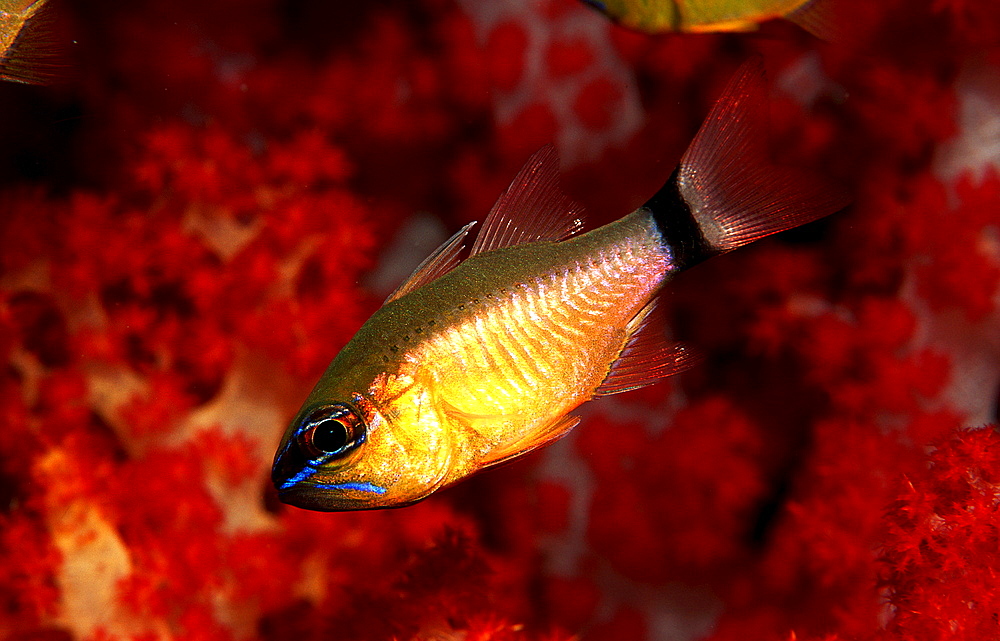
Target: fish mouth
<point x="294" y="476"/>
<point x="332" y="497"/>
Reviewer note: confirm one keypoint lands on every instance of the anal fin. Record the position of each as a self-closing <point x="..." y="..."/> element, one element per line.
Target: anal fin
<point x="648" y="356"/>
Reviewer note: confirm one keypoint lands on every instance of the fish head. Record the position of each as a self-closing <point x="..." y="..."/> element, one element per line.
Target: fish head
<point x="611" y="8"/>
<point x="363" y="453"/>
<point x="651" y="17"/>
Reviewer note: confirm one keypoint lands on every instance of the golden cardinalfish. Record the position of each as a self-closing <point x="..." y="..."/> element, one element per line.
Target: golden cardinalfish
<point x="27" y="53"/>
<point x="700" y="16"/>
<point x="468" y="365"/>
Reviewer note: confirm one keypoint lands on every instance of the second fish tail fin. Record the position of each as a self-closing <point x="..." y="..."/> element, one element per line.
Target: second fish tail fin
<point x="726" y="192"/>
<point x="31" y="47"/>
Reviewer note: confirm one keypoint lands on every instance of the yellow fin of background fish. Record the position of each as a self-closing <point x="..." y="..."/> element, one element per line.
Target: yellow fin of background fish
<point x="473" y="363"/>
<point x="704" y="16"/>
<point x="28" y="49"/>
<point x="825" y="19"/>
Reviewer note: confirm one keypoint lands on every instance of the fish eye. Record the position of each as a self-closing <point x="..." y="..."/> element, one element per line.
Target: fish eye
<point x="331" y="431"/>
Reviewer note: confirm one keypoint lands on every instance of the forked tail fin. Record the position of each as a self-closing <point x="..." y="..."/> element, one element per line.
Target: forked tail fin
<point x="727" y="192"/>
<point x="30" y="47"/>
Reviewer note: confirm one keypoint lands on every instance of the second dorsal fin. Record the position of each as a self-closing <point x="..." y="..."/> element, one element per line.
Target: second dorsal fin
<point x="533" y="208"/>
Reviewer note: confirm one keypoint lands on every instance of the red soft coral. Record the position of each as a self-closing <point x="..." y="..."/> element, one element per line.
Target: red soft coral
<point x="940" y="549"/>
<point x="230" y="173"/>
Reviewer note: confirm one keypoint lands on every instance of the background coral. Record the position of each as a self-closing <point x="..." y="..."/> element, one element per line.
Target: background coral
<point x="220" y="193"/>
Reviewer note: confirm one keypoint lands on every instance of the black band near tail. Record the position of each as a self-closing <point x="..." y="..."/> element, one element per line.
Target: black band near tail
<point x="677" y="226"/>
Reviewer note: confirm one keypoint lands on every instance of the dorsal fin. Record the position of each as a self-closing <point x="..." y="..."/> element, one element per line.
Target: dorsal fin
<point x="533" y="208"/>
<point x="648" y="356"/>
<point x="441" y="261"/>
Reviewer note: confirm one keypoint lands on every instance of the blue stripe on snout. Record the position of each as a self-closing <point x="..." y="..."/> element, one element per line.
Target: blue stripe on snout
<point x="360" y="487"/>
<point x="307" y="472"/>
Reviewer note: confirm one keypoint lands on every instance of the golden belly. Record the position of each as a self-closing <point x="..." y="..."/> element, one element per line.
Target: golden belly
<point x="538" y="350"/>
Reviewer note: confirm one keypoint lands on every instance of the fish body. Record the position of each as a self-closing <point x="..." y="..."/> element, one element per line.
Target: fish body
<point x="489" y="358"/>
<point x="700" y="16"/>
<point x="468" y="365"/>
<point x="27" y="51"/>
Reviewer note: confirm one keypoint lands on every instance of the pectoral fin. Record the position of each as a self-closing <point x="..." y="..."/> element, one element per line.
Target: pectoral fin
<point x="548" y="433"/>
<point x="480" y="425"/>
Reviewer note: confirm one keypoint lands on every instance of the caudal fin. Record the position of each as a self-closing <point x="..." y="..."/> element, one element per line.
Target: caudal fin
<point x="735" y="193"/>
<point x="30" y="51"/>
